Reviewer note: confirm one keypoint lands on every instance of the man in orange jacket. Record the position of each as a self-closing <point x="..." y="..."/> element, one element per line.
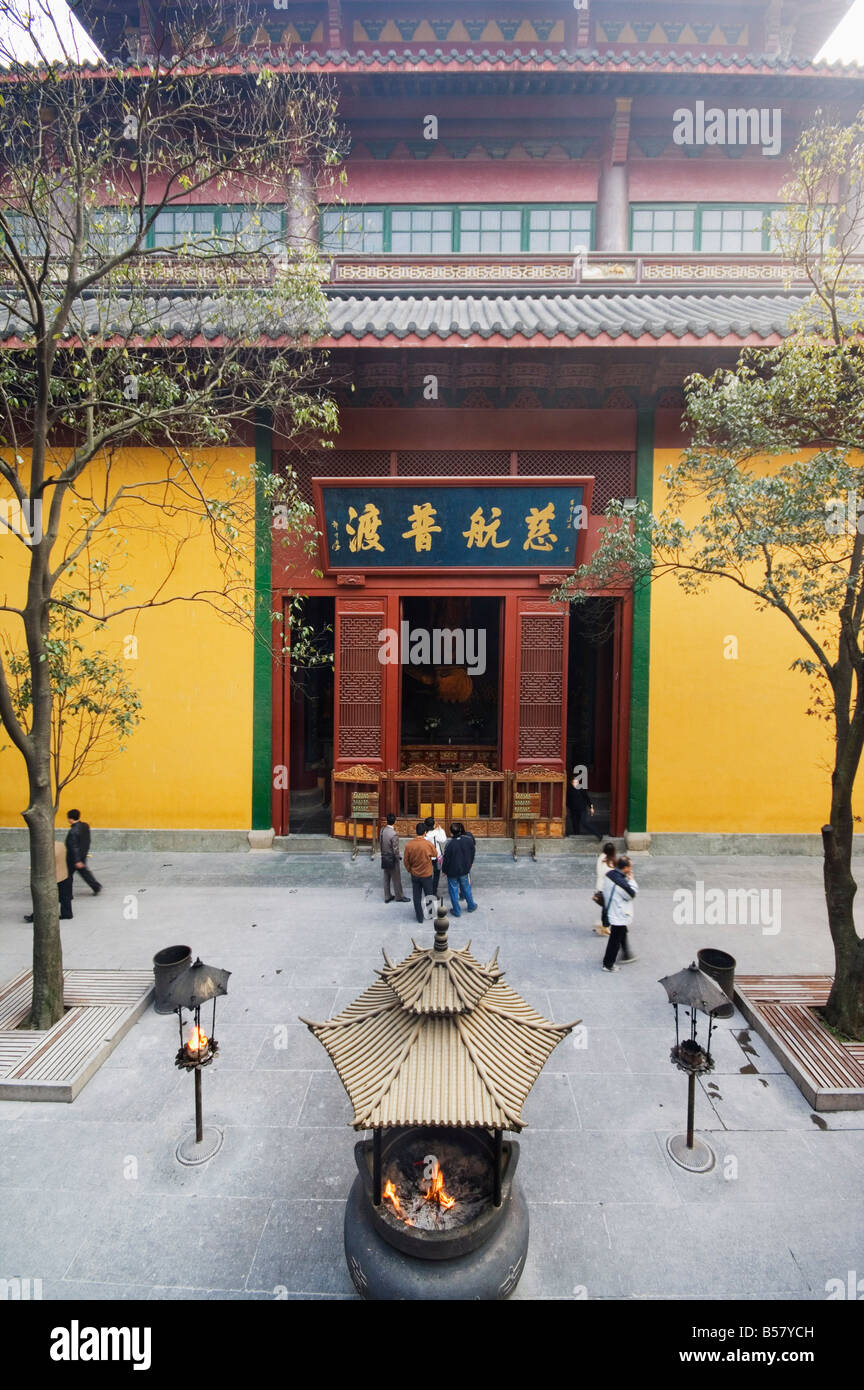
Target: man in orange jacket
<point x="420" y="859"/>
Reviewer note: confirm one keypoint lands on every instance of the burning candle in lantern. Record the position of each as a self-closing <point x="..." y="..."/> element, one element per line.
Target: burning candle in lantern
<point x="197" y="1042"/>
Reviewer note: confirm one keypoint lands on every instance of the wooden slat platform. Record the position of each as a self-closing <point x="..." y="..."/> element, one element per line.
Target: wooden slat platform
<point x="786" y="989"/>
<point x="826" y="1060"/>
<point x="15" y="1046"/>
<point x="15" y="1000"/>
<point x="830" y="1073"/>
<point x="101" y="1006"/>
<point x="104" y="986"/>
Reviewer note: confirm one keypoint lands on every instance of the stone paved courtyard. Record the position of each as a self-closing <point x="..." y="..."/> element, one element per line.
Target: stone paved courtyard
<point x="96" y="1206"/>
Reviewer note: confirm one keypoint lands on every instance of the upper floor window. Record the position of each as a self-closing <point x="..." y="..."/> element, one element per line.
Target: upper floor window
<point x="26" y="233"/>
<point x="461" y="229"/>
<point x="352" y="229"/>
<point x="203" y="229"/>
<point x="490" y="230"/>
<point x="695" y="227"/>
<point x="423" y="231"/>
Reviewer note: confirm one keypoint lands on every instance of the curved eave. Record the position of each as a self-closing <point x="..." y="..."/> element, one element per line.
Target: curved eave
<point x="498" y="60"/>
<point x="415" y="340"/>
<point x="556" y="340"/>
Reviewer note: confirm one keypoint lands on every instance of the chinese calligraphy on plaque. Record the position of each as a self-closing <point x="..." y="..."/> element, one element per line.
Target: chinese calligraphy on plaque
<point x="445" y="526"/>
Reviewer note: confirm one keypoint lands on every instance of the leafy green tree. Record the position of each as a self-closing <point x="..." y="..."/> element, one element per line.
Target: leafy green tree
<point x="94" y="709"/>
<point x="790" y="535"/>
<point x="131" y="316"/>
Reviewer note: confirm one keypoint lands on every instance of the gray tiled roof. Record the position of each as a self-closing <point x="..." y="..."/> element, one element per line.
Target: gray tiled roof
<point x="574" y="316"/>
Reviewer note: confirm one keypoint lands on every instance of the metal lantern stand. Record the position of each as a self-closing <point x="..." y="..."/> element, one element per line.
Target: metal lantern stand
<point x="694" y="991"/>
<point x="189" y="991"/>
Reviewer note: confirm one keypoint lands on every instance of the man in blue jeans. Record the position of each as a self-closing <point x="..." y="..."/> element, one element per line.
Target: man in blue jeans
<point x="456" y="866"/>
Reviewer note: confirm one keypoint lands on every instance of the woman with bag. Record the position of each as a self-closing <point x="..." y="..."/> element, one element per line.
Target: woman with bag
<point x="605" y="862"/>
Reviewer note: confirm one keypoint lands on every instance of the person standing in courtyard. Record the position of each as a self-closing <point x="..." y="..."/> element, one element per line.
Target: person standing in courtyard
<point x="605" y="862"/>
<point x="437" y="839"/>
<point x="64" y="883"/>
<point x="456" y="866"/>
<point x="77" y="849"/>
<point x="420" y="858"/>
<point x="619" y="890"/>
<point x="390" y="862"/>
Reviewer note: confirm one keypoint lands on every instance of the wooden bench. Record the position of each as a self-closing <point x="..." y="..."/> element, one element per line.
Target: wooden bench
<point x="829" y="1073"/>
<point x="785" y="989"/>
<point x="15" y="1000"/>
<point x="59" y="1054"/>
<point x="100" y="1007"/>
<point x="829" y="1063"/>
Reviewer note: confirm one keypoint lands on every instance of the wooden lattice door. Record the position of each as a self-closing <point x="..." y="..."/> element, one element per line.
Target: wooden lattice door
<point x="542" y="684"/>
<point x="358" y="732"/>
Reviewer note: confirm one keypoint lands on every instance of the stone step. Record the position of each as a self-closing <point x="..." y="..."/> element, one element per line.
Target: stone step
<point x="572" y="845"/>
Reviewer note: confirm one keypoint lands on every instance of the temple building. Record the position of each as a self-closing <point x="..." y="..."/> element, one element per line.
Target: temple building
<point x="554" y="213"/>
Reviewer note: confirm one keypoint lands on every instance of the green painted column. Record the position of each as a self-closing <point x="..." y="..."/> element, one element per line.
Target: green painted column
<point x="637" y="801"/>
<point x="262" y="696"/>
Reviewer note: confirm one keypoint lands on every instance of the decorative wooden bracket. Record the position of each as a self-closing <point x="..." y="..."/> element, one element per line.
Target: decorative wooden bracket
<point x="334" y="25"/>
<point x="621" y="129"/>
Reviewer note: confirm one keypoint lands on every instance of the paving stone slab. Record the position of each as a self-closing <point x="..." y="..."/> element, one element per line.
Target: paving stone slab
<point x="783" y="1168"/>
<point x="569" y="1255"/>
<point x="276" y="1098"/>
<point x="691" y="1255"/>
<point x="651" y="1102"/>
<point x="761" y="1102"/>
<point x="596" y="1166"/>
<point x="76" y="1291"/>
<point x="550" y="1104"/>
<point x="156" y="1240"/>
<point x="302" y="1252"/>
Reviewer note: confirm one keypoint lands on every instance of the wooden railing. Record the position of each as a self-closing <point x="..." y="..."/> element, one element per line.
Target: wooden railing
<point x="482" y="799"/>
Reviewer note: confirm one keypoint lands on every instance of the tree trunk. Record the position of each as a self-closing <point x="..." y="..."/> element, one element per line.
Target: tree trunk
<point x="47" y="1005"/>
<point x="845" y="1007"/>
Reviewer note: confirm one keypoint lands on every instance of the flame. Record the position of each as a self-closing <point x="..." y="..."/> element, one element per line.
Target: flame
<point x="390" y="1194"/>
<point x="198" y="1041"/>
<point x="437" y="1194"/>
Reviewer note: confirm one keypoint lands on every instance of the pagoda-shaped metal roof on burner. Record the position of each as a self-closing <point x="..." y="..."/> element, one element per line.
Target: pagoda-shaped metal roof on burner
<point x="439" y="1040"/>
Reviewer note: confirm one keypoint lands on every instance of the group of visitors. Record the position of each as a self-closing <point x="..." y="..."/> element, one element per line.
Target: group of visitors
<point x="429" y="855"/>
<point x="70" y="858"/>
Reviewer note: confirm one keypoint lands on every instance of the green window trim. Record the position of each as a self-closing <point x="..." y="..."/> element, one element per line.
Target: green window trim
<point x="386" y="211"/>
<point x="218" y="211"/>
<point x="767" y="210"/>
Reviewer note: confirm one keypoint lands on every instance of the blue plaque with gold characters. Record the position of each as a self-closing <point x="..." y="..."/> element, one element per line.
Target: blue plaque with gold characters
<point x="435" y="525"/>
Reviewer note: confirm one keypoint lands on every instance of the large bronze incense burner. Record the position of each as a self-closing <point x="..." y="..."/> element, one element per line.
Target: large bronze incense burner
<point x="438" y="1058"/>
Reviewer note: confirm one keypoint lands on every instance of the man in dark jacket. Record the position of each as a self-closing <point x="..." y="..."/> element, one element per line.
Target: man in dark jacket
<point x="456" y="866"/>
<point x="77" y="849"/>
<point x="390" y="857"/>
<point x="581" y="811"/>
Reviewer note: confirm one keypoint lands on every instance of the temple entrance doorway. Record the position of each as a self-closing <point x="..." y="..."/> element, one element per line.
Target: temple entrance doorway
<point x="450" y="650"/>
<point x="591" y="699"/>
<point x="311" y="720"/>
